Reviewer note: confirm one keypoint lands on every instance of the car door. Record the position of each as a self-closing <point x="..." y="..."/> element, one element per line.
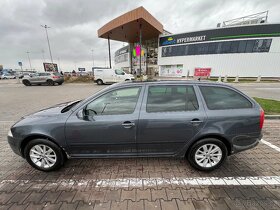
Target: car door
<point x="107" y="126"/>
<point x="43" y="77"/>
<point x="34" y="78"/>
<point x="170" y="116"/>
<point x="119" y="74"/>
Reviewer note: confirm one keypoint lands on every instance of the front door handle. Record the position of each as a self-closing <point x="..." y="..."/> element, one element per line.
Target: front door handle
<point x="128" y="124"/>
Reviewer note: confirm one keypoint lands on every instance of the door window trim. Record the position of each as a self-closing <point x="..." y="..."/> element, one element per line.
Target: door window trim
<point x="145" y="99"/>
<point x="137" y="106"/>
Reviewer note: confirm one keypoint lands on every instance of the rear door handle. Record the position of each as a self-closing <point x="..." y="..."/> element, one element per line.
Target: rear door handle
<point x="196" y="121"/>
<point x="128" y="124"/>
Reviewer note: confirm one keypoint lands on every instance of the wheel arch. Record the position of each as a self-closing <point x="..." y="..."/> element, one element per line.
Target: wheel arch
<point x="38" y="136"/>
<point x="214" y="136"/>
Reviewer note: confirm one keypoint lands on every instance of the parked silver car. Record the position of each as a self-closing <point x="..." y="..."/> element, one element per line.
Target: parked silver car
<point x="7" y="76"/>
<point x="49" y="78"/>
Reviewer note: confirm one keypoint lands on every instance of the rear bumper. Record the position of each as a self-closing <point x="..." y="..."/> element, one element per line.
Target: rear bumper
<point x="245" y="142"/>
<point x="61" y="80"/>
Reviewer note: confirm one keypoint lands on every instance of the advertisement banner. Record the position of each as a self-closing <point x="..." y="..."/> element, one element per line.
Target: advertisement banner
<point x="50" y="67"/>
<point x="81" y="69"/>
<point x="202" y="72"/>
<point x="171" y="71"/>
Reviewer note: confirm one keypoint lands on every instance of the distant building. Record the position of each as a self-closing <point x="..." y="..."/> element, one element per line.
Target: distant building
<point x="245" y="47"/>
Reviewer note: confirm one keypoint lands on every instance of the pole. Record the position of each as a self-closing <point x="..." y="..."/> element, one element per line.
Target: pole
<point x="92" y="59"/>
<point x="46" y="27"/>
<point x="29" y="60"/>
<point x="140" y="48"/>
<point x="109" y="52"/>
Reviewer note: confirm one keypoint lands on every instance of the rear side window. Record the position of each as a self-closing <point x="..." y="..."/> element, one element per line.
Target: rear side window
<point x="171" y="99"/>
<point x="218" y="98"/>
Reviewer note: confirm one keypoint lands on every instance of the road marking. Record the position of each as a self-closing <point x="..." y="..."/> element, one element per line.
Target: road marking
<point x="153" y="182"/>
<point x="270" y="145"/>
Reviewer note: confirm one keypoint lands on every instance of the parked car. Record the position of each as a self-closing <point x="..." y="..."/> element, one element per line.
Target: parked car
<point x="8" y="76"/>
<point x="202" y="121"/>
<point x="49" y="78"/>
<point x="109" y="76"/>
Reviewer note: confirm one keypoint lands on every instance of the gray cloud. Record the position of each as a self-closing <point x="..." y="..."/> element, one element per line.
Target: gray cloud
<point x="74" y="25"/>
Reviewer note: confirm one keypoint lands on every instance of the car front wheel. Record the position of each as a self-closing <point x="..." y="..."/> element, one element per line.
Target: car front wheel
<point x="207" y="154"/>
<point x="26" y="82"/>
<point x="44" y="155"/>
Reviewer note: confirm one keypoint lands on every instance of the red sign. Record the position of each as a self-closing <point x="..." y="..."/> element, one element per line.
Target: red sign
<point x="202" y="72"/>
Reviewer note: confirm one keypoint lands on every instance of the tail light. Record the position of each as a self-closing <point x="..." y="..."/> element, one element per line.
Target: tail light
<point x="261" y="119"/>
<point x="56" y="77"/>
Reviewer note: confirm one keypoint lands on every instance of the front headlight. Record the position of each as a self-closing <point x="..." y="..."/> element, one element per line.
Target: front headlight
<point x="10" y="133"/>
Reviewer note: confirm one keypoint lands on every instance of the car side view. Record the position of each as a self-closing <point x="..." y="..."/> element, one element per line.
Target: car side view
<point x="202" y="121"/>
<point x="49" y="78"/>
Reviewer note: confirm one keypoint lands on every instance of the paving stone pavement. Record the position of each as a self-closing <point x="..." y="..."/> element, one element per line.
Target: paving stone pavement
<point x="144" y="183"/>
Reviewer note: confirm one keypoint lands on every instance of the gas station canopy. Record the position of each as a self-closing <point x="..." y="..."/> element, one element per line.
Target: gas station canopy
<point x="126" y="28"/>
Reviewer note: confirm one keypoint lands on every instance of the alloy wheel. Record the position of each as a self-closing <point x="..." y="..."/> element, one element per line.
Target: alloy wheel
<point x="43" y="156"/>
<point x="208" y="155"/>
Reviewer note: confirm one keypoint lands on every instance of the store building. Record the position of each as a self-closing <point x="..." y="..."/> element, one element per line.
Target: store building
<point x="244" y="47"/>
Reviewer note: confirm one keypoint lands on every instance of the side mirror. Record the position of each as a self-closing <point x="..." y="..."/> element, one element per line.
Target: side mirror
<point x="80" y="114"/>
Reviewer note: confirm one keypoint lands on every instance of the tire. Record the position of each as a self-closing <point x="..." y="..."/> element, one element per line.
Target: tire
<point x="196" y="158"/>
<point x="26" y="82"/>
<point x="59" y="83"/>
<point x="99" y="82"/>
<point x="50" y="162"/>
<point x="50" y="82"/>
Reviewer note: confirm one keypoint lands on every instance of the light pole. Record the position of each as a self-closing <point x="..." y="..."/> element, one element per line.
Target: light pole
<point x="46" y="28"/>
<point x="29" y="60"/>
<point x="92" y="58"/>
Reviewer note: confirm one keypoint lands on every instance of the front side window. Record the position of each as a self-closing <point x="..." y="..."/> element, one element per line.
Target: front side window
<point x="218" y="98"/>
<point x="116" y="102"/>
<point x="171" y="99"/>
<point x="119" y="72"/>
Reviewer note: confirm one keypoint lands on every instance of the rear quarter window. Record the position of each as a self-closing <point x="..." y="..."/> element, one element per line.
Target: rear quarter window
<point x="218" y="98"/>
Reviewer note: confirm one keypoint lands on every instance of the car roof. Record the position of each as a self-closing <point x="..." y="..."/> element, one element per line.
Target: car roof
<point x="170" y="82"/>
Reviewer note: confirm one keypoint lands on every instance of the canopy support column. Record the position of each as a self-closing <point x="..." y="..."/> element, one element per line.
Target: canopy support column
<point x="109" y="47"/>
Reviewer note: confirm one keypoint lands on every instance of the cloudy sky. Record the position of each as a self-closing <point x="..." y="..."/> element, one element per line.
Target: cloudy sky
<point x="74" y="25"/>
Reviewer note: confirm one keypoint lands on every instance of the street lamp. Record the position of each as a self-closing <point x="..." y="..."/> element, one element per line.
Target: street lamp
<point x="29" y="60"/>
<point x="92" y="58"/>
<point x="46" y="28"/>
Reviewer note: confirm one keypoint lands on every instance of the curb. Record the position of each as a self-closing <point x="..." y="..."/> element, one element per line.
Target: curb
<point x="272" y="117"/>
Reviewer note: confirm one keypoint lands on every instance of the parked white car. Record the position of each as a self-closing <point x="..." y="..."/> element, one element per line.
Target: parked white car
<point x="106" y="76"/>
<point x="7" y="76"/>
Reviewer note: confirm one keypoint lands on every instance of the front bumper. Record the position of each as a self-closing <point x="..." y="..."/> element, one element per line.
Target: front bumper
<point x="14" y="144"/>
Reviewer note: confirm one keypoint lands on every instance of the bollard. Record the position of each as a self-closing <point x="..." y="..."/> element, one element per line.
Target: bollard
<point x="225" y="78"/>
<point x="236" y="79"/>
<point x="259" y="78"/>
<point x="220" y="79"/>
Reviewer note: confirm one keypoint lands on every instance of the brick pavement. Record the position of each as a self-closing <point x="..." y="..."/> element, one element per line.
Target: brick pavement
<point x="139" y="183"/>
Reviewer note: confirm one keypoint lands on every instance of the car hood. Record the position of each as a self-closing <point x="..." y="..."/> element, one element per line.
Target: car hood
<point x="53" y="110"/>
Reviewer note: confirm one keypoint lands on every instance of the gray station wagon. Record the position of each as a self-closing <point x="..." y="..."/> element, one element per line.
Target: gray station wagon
<point x="201" y="121"/>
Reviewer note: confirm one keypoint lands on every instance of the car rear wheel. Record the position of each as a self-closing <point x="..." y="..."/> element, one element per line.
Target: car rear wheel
<point x="99" y="82"/>
<point x="207" y="154"/>
<point x="50" y="82"/>
<point x="44" y="155"/>
<point x="59" y="83"/>
<point x="26" y="82"/>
